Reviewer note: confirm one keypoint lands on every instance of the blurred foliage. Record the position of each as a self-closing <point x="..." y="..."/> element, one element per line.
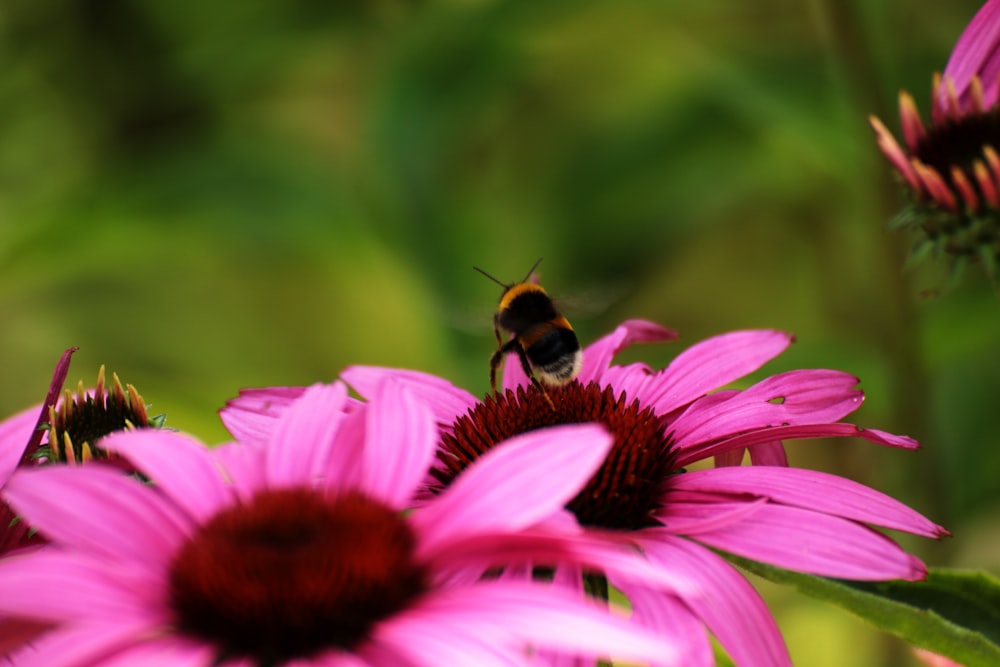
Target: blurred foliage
<point x="207" y="196"/>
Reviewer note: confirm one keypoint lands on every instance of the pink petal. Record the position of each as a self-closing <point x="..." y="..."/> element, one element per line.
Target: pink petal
<point x="328" y="659"/>
<point x="51" y="400"/>
<point x="895" y="154"/>
<point x="53" y="585"/>
<point x="242" y="466"/>
<point x="598" y="355"/>
<point x="101" y="511"/>
<point x="420" y="643"/>
<point x="14" y="435"/>
<point x="630" y="379"/>
<point x="446" y="400"/>
<point x="606" y="552"/>
<point x="513" y="375"/>
<point x="690" y="452"/>
<point x="545" y="616"/>
<point x="712" y="364"/>
<point x="163" y="652"/>
<point x="730" y="606"/>
<point x="304" y="436"/>
<point x="809" y="489"/>
<point x="85" y="644"/>
<point x="798" y="539"/>
<point x="180" y="466"/>
<point x="400" y="441"/>
<point x="669" y="617"/>
<point x="977" y="53"/>
<point x="795" y="397"/>
<point x="251" y="416"/>
<point x="516" y="484"/>
<point x="768" y="454"/>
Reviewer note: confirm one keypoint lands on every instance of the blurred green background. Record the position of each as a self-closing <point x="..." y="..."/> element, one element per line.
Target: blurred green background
<point x="206" y="197"/>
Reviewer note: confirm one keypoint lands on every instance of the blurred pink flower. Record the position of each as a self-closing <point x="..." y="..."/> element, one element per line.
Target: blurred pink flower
<point x="951" y="166"/>
<point x="293" y="551"/>
<point x="664" y="420"/>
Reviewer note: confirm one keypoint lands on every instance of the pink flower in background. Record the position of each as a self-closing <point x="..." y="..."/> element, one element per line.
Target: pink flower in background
<point x="664" y="420"/>
<point x="950" y="166"/>
<point x="295" y="552"/>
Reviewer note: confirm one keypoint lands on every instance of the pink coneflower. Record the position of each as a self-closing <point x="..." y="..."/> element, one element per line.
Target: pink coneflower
<point x="664" y="420"/>
<point x="950" y="166"/>
<point x="295" y="552"/>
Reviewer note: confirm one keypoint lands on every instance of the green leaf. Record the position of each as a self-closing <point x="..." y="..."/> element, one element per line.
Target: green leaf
<point x="955" y="613"/>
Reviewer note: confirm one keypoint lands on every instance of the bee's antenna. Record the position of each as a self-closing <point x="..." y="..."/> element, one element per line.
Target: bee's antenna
<point x="532" y="270"/>
<point x="503" y="285"/>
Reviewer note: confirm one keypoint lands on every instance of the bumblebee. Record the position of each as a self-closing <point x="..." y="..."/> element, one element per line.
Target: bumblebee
<point x="543" y="339"/>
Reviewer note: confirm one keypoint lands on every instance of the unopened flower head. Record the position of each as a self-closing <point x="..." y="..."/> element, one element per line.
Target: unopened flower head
<point x="950" y="166"/>
<point x="64" y="429"/>
<point x="78" y="422"/>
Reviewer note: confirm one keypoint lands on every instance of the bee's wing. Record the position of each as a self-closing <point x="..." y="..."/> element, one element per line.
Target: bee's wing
<point x="593" y="301"/>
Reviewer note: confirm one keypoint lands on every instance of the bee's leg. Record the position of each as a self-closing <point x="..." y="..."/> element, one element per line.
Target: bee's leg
<point x="496" y="361"/>
<point x="526" y="365"/>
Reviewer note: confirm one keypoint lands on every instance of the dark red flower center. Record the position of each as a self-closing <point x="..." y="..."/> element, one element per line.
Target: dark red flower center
<point x="291" y="574"/>
<point x="959" y="142"/>
<point x="622" y="494"/>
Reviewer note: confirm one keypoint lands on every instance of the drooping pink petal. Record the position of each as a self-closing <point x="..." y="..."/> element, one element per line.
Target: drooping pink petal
<point x="445" y="399"/>
<point x="711" y="364"/>
<point x="795" y="397"/>
<point x="508" y="489"/>
<point x="689" y="452"/>
<point x="799" y="539"/>
<point x="99" y="510"/>
<point x="417" y="642"/>
<point x="547" y="617"/>
<point x="251" y="416"/>
<point x="812" y="490"/>
<point x="977" y="53"/>
<point x="768" y="454"/>
<point x="53" y="585"/>
<point x="598" y="355"/>
<point x="733" y="611"/>
<point x="178" y="465"/>
<point x="669" y="617"/>
<point x="400" y="439"/>
<point x="304" y="435"/>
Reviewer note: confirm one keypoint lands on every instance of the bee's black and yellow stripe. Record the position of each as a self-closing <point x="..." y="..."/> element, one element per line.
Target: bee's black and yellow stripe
<point x="546" y="338"/>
